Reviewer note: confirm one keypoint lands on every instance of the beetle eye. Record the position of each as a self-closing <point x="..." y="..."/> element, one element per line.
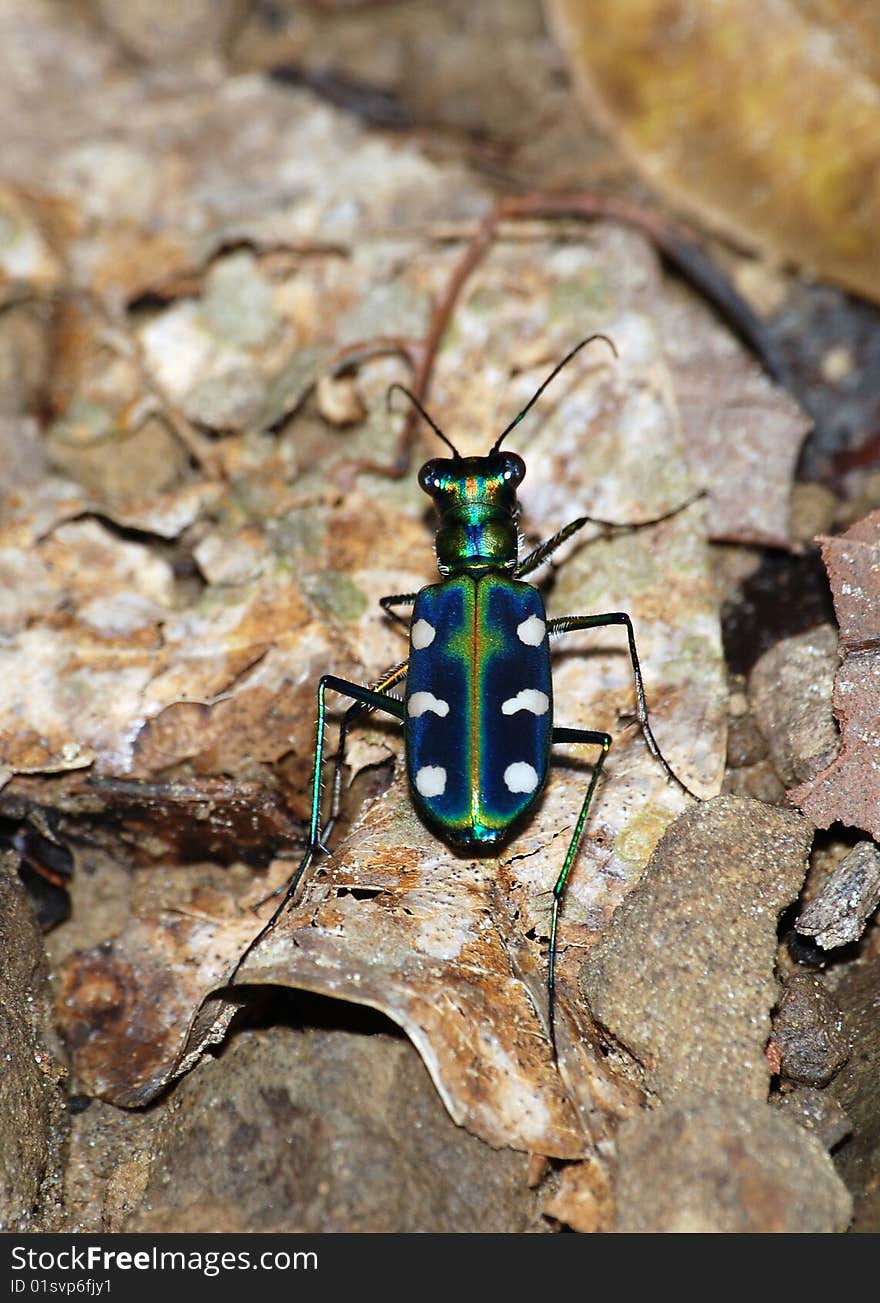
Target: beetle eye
<point x="428" y="478"/>
<point x="514" y="469"/>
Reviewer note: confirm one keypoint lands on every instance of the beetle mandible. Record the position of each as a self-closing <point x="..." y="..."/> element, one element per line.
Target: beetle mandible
<point x="477" y="707"/>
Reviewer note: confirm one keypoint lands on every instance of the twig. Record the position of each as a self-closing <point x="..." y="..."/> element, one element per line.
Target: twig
<point x="678" y="244"/>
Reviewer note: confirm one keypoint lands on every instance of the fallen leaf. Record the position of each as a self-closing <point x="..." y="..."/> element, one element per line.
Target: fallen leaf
<point x="760" y="119"/>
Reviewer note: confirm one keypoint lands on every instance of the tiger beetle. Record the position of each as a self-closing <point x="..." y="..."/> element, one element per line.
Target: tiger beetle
<point x="477" y="708"/>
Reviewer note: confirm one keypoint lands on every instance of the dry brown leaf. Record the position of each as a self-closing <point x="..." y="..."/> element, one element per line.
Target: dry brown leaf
<point x="759" y="118"/>
<point x="155" y="179"/>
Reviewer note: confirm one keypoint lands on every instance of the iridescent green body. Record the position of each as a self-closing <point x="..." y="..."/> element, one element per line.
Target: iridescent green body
<point x="478" y="718"/>
<point x="476" y="499"/>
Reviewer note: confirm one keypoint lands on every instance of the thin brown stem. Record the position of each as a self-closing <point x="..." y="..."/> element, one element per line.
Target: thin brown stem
<point x="677" y="243"/>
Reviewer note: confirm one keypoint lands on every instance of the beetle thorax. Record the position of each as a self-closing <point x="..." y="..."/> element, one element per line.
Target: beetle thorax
<point x="476" y="500"/>
<point x="476" y="536"/>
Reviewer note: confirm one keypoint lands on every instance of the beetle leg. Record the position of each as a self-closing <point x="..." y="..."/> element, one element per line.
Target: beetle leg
<point x="369" y="698"/>
<point x="351" y="716"/>
<point x="545" y="550"/>
<point x="568" y="623"/>
<point x="397" y="599"/>
<point x="536" y="558"/>
<point x="602" y="740"/>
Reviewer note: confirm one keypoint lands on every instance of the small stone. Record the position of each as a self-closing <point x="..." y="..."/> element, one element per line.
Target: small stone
<point x="339" y="401"/>
<point x="808" y="1028"/>
<point x="725" y="1166"/>
<point x="684" y="979"/>
<point x="745" y="742"/>
<point x="790" y="689"/>
<point x="815" y="1110"/>
<point x="737" y="705"/>
<point x="759" y="782"/>
<point x="839" y="914"/>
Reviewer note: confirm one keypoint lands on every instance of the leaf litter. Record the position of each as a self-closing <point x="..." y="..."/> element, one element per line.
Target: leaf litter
<point x="174" y="640"/>
<point x="434" y="941"/>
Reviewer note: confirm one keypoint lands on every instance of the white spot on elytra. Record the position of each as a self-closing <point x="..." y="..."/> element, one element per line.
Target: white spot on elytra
<point x="528" y="699"/>
<point x="520" y="777"/>
<point x="431" y="780"/>
<point x="531" y="631"/>
<point x="423" y="634"/>
<point x="419" y="702"/>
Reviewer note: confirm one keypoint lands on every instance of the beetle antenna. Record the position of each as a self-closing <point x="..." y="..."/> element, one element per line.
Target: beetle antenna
<point x="418" y="406"/>
<point x="552" y="376"/>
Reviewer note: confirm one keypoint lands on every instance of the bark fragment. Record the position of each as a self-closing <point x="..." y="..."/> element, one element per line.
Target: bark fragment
<point x="848" y="789"/>
<point x="839" y="914"/>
